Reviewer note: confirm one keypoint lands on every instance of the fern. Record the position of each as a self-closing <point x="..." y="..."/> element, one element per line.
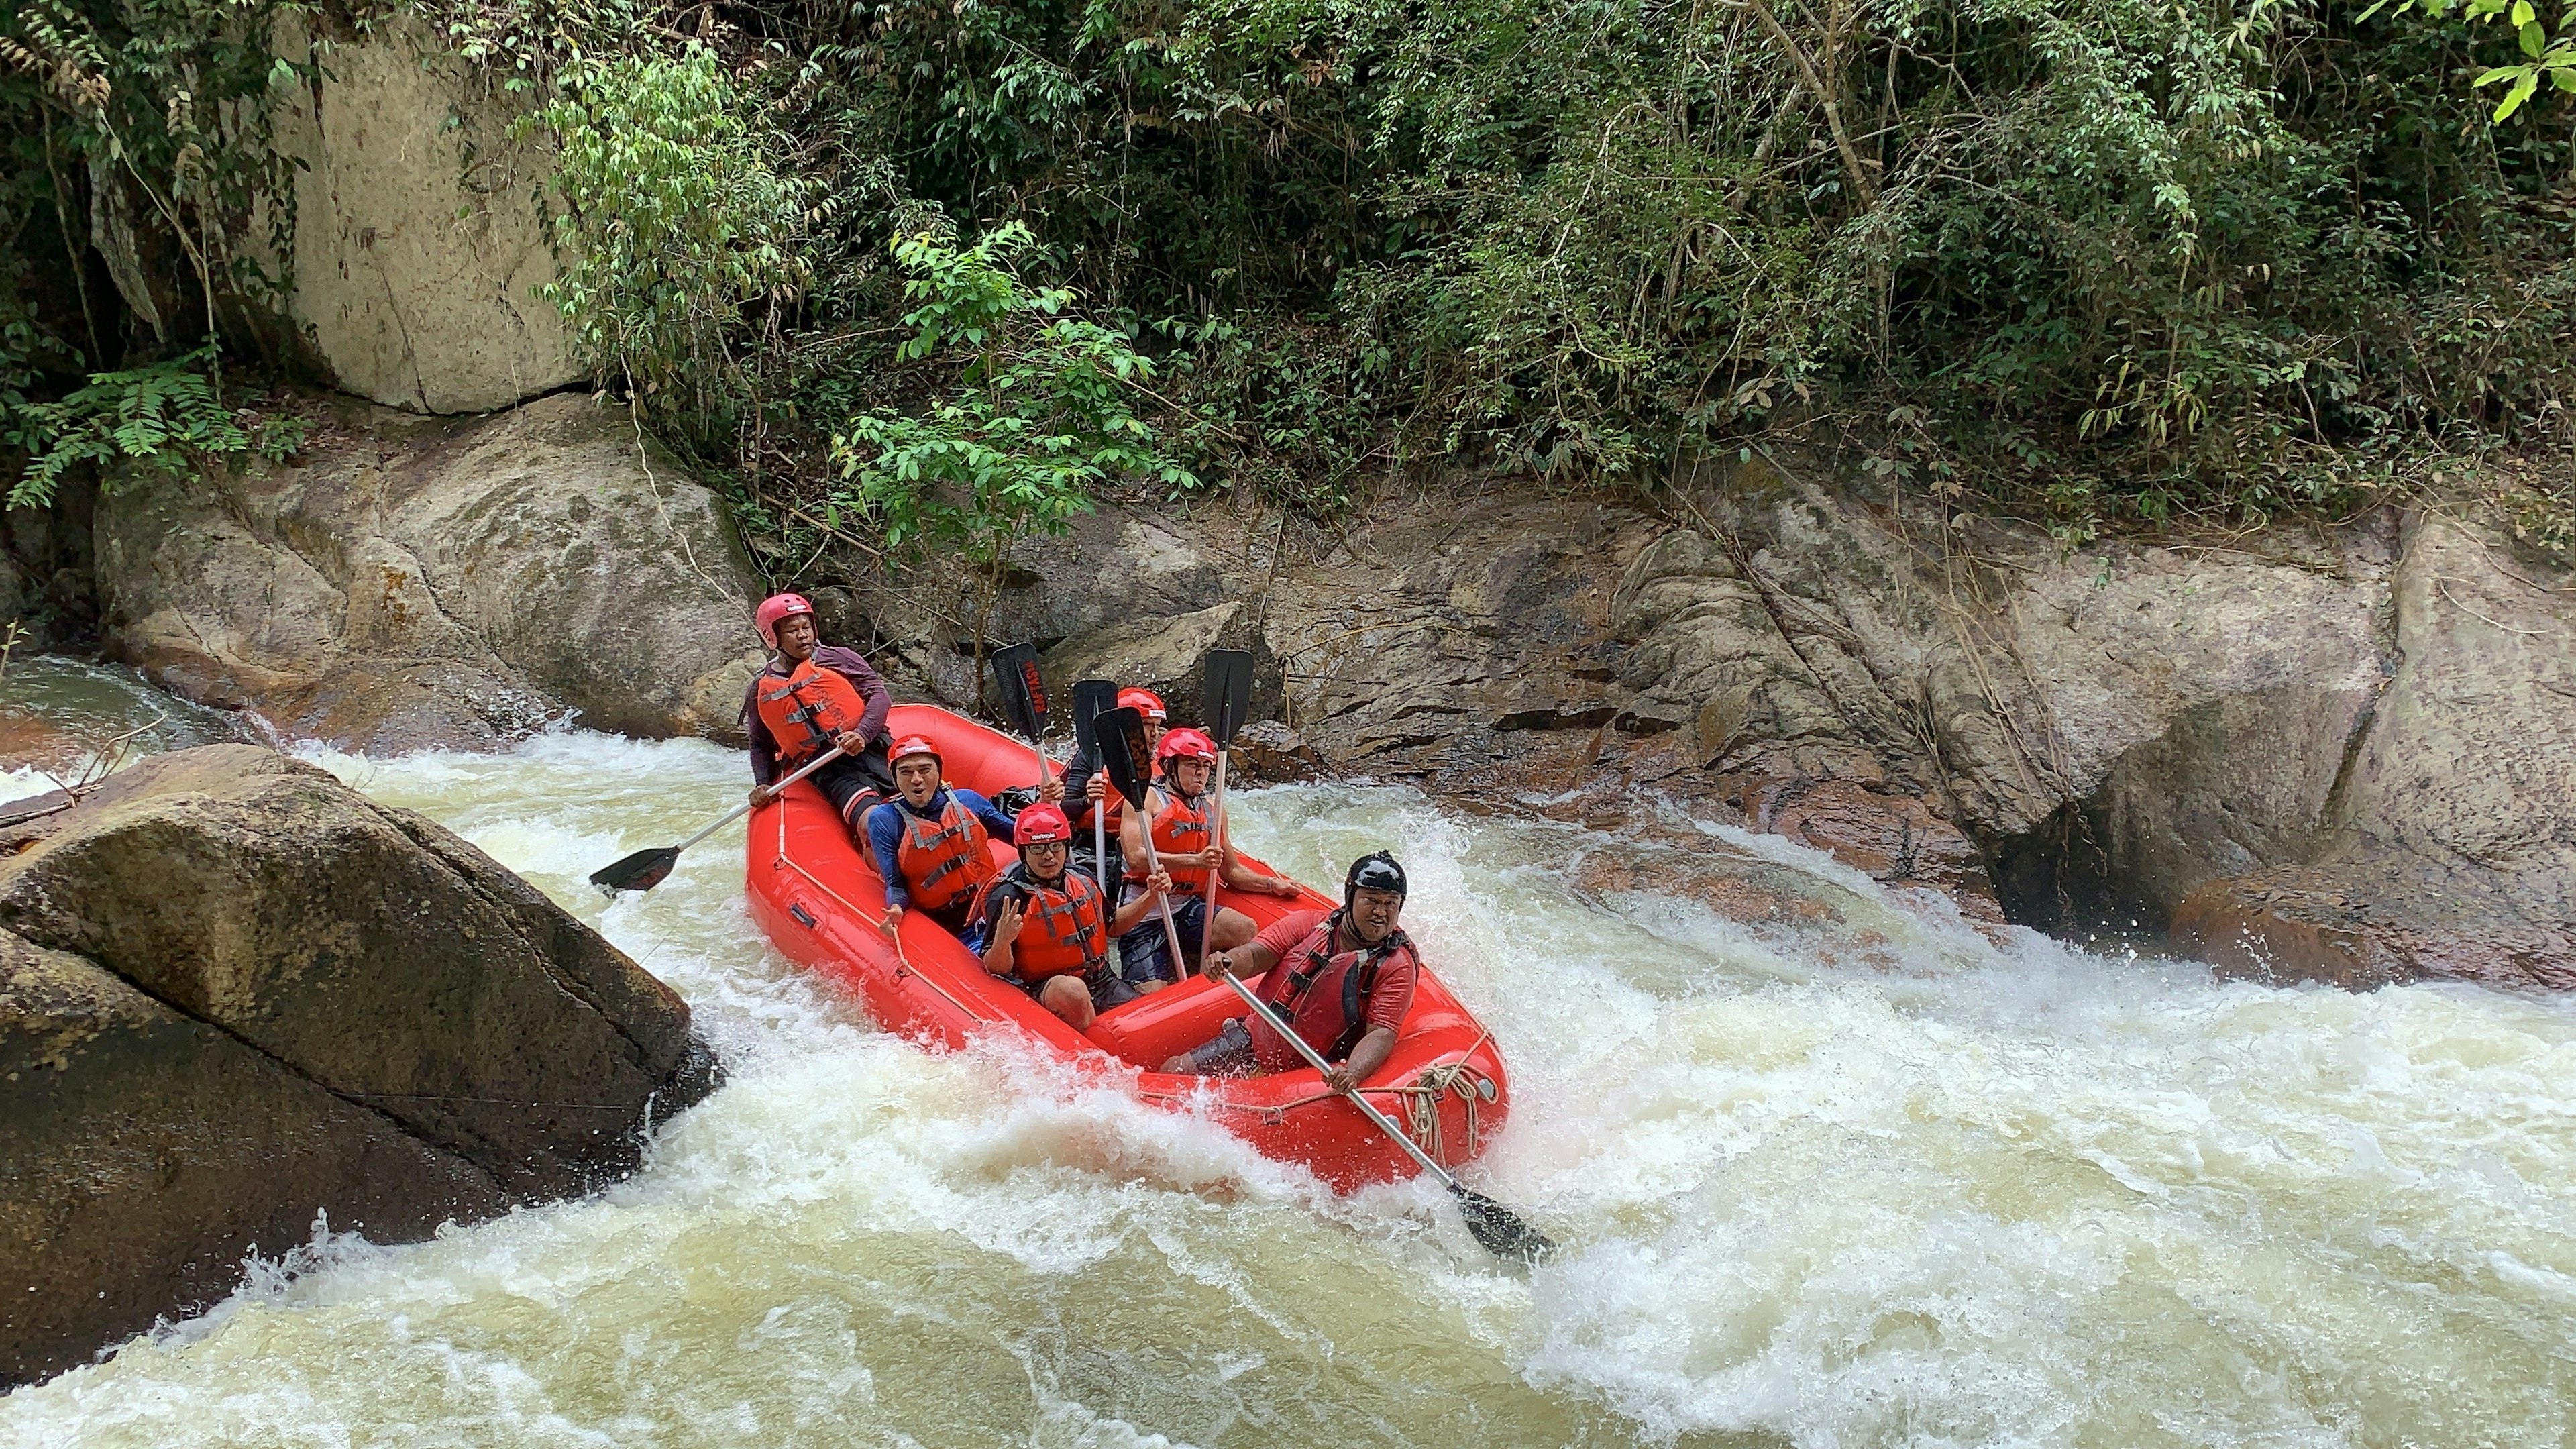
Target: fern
<point x="163" y="416"/>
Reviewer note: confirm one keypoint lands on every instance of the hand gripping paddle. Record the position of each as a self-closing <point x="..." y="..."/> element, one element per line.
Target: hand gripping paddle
<point x="1131" y="765"/>
<point x="1496" y="1228"/>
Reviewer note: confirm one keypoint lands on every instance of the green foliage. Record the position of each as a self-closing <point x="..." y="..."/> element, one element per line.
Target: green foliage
<point x="2128" y="259"/>
<point x="1042" y="411"/>
<point x="2548" y="52"/>
<point x="164" y="104"/>
<point x="675" y="225"/>
<point x="164" y="417"/>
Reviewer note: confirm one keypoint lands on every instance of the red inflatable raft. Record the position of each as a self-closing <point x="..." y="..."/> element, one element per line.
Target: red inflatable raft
<point x="819" y="898"/>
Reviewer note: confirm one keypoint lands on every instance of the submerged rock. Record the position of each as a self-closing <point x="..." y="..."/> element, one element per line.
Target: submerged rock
<point x="410" y="582"/>
<point x="239" y="997"/>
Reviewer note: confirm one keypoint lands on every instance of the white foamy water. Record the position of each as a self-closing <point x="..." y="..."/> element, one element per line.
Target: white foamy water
<point x="1861" y="1178"/>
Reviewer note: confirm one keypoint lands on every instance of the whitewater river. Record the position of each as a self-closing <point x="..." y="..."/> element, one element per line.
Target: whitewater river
<point x="1861" y="1179"/>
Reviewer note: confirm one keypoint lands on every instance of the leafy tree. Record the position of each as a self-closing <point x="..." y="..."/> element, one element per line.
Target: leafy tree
<point x="2549" y="53"/>
<point x="1039" y="413"/>
<point x="674" y="223"/>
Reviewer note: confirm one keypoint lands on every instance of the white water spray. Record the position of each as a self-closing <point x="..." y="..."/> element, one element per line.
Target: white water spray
<point x="1858" y="1177"/>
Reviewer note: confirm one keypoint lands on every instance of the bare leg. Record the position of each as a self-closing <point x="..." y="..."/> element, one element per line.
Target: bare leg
<point x="1068" y="998"/>
<point x="1232" y="929"/>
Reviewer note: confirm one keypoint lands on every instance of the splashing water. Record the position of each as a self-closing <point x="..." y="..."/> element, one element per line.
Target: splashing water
<point x="1854" y="1176"/>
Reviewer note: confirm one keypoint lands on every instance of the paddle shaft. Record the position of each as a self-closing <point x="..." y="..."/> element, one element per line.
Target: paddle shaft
<point x="745" y="808"/>
<point x="1367" y="1108"/>
<point x="1207" y="918"/>
<point x="1100" y="833"/>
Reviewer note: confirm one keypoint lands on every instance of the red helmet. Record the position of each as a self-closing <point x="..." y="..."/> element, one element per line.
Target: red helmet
<point x="775" y="608"/>
<point x="1144" y="701"/>
<point x="1187" y="744"/>
<point x="911" y="745"/>
<point x="1039" y="824"/>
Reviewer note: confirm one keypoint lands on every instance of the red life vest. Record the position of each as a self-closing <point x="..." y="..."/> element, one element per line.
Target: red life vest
<point x="1061" y="931"/>
<point x="807" y="708"/>
<point x="1326" y="1000"/>
<point x="1180" y="827"/>
<point x="944" y="860"/>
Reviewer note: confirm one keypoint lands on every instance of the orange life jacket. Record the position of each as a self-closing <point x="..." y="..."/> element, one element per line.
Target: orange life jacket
<point x="944" y="860"/>
<point x="1061" y="931"/>
<point x="1180" y="827"/>
<point x="806" y="708"/>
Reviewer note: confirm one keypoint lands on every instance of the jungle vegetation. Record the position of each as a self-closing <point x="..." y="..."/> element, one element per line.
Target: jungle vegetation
<point x="2100" y="263"/>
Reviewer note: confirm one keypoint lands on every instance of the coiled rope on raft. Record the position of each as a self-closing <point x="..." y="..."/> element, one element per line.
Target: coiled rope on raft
<point x="1420" y="1100"/>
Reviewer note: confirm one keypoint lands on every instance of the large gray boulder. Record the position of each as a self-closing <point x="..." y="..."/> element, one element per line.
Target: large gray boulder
<point x="236" y="997"/>
<point x="2452" y="845"/>
<point x="420" y="226"/>
<point x="409" y="582"/>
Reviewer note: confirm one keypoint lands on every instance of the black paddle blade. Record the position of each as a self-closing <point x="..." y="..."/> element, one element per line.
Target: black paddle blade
<point x="1228" y="692"/>
<point x="1499" y="1230"/>
<point x="1092" y="698"/>
<point x="1023" y="688"/>
<point x="641" y="871"/>
<point x="1127" y="758"/>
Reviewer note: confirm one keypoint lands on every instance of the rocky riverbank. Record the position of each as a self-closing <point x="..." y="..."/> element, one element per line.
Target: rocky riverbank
<point x="2341" y="756"/>
<point x="237" y="999"/>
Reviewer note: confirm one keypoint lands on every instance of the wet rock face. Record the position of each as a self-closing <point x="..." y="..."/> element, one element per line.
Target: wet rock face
<point x="2071" y="741"/>
<point x="237" y="995"/>
<point x="411" y="582"/>
<point x="2453" y="855"/>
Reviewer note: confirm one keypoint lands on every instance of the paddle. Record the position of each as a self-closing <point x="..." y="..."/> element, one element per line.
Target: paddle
<point x="1024" y="696"/>
<point x="646" y="869"/>
<point x="1496" y="1228"/>
<point x="1093" y="698"/>
<point x="1130" y="763"/>
<point x="1227" y="697"/>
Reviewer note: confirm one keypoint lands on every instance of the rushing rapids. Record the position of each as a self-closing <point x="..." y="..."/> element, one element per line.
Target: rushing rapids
<point x="1856" y="1177"/>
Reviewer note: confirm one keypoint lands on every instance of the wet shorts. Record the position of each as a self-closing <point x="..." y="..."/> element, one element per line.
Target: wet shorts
<point x="852" y="785"/>
<point x="1148" y="956"/>
<point x="1106" y="989"/>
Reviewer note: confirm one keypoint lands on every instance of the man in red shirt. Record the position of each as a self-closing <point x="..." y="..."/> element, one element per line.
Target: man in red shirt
<point x="1343" y="980"/>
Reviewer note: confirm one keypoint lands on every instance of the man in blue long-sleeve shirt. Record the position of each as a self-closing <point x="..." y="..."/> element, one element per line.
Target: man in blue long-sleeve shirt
<point x="930" y="841"/>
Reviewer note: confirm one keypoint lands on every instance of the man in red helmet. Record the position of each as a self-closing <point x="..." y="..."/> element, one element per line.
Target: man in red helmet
<point x="1047" y="927"/>
<point x="811" y="697"/>
<point x="1089" y="788"/>
<point x="1177" y="812"/>
<point x="929" y="839"/>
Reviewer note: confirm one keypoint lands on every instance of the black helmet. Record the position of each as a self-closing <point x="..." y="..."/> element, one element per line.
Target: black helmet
<point x="1375" y="871"/>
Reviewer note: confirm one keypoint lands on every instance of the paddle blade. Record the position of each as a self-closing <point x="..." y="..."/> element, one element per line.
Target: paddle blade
<point x="1125" y="755"/>
<point x="1023" y="688"/>
<point x="1228" y="692"/>
<point x="1499" y="1230"/>
<point x="641" y="871"/>
<point x="1092" y="698"/>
